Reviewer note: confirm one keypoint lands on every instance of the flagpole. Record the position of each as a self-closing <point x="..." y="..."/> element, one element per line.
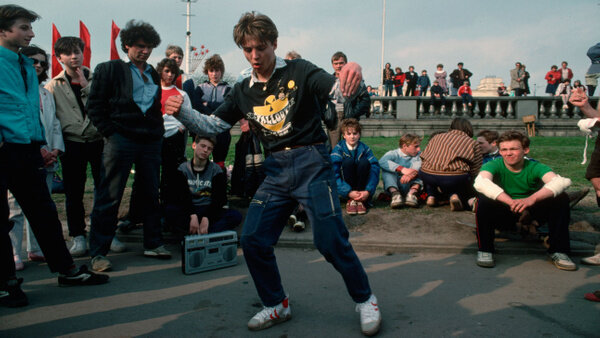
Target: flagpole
<point x="382" y="46"/>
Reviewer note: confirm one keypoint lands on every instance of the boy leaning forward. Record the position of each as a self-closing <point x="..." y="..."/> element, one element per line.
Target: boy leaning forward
<point x="280" y="99"/>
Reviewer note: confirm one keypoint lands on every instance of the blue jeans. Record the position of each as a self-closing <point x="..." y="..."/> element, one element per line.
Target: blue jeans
<point x="22" y="172"/>
<point x="303" y="175"/>
<point x="393" y="180"/>
<point x="355" y="173"/>
<point x="119" y="154"/>
<point x="466" y="98"/>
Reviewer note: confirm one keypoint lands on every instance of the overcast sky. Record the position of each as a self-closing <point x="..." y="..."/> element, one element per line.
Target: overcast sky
<point x="487" y="35"/>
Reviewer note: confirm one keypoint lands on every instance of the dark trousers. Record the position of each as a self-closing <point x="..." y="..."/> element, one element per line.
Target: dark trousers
<point x="172" y="155"/>
<point x="74" y="164"/>
<point x="459" y="184"/>
<point x="519" y="91"/>
<point x="22" y="171"/>
<point x="222" y="147"/>
<point x="410" y="89"/>
<point x="436" y="102"/>
<point x="555" y="211"/>
<point x="356" y="174"/>
<point x="222" y="220"/>
<point x="120" y="153"/>
<point x="398" y="90"/>
<point x="466" y="98"/>
<point x="303" y="175"/>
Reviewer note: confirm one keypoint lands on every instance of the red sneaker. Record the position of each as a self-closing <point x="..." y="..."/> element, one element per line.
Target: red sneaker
<point x="360" y="208"/>
<point x="351" y="207"/>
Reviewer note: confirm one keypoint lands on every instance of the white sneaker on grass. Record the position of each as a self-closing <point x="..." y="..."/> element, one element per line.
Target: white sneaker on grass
<point x="370" y="316"/>
<point x="270" y="316"/>
<point x="79" y="247"/>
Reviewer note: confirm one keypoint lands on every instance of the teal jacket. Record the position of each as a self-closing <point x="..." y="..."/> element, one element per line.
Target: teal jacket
<point x="19" y="100"/>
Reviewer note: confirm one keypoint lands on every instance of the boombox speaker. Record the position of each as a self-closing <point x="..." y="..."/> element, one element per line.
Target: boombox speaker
<point x="208" y="252"/>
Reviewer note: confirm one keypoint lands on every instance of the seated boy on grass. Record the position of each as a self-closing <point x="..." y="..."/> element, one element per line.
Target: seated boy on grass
<point x="487" y="140"/>
<point x="400" y="168"/>
<point x="356" y="168"/>
<point x="513" y="188"/>
<point x="199" y="194"/>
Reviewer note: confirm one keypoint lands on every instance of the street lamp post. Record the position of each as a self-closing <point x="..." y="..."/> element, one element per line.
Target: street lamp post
<point x="188" y="36"/>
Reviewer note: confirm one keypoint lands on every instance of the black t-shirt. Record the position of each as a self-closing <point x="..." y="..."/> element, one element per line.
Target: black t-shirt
<point x="76" y="87"/>
<point x="283" y="110"/>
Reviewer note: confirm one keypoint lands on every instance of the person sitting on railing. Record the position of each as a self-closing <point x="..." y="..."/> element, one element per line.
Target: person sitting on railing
<point x="502" y="90"/>
<point x="564" y="90"/>
<point x="355" y="167"/>
<point x="450" y="162"/>
<point x="399" y="171"/>
<point x="437" y="96"/>
<point x="577" y="84"/>
<point x="487" y="142"/>
<point x="467" y="95"/>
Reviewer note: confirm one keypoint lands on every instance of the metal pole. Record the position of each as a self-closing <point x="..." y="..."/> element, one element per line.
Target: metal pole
<point x="382" y="47"/>
<point x="188" y="36"/>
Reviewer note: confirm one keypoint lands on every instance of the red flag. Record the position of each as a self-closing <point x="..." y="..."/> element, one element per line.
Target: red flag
<point x="56" y="66"/>
<point x="114" y="32"/>
<point x="84" y="34"/>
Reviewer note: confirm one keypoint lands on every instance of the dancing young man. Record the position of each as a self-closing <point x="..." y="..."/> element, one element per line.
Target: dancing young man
<point x="280" y="99"/>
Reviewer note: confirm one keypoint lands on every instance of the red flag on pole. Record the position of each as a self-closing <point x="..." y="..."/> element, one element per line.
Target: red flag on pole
<point x="114" y="32"/>
<point x="56" y="67"/>
<point x="84" y="34"/>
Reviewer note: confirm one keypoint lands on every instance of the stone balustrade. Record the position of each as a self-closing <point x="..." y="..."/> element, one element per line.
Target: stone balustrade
<point x="488" y="107"/>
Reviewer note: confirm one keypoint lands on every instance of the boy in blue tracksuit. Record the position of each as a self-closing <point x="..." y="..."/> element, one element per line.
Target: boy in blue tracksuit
<point x="356" y="168"/>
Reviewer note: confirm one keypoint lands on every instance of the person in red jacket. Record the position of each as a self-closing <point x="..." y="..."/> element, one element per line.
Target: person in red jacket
<point x="467" y="95"/>
<point x="553" y="77"/>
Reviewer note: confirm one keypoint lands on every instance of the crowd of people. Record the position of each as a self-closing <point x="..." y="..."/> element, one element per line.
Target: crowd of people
<point x="126" y="114"/>
<point x="559" y="81"/>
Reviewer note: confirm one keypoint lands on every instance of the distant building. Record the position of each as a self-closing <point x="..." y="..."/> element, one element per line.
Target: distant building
<point x="488" y="86"/>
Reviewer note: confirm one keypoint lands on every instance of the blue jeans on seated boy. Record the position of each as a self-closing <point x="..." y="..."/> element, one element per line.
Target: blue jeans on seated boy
<point x="302" y="175"/>
<point x="392" y="180"/>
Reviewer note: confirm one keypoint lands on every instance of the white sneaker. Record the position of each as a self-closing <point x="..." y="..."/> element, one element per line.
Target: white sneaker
<point x="397" y="201"/>
<point x="562" y="261"/>
<point x="117" y="246"/>
<point x="593" y="260"/>
<point x="370" y="316"/>
<point x="411" y="200"/>
<point x="79" y="246"/>
<point x="485" y="259"/>
<point x="270" y="316"/>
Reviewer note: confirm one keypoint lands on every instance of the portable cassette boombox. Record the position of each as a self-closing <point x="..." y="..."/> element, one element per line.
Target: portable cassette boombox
<point x="208" y="252"/>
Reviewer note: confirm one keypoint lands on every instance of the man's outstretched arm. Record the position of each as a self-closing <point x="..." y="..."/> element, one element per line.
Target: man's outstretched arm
<point x="196" y="122"/>
<point x="580" y="99"/>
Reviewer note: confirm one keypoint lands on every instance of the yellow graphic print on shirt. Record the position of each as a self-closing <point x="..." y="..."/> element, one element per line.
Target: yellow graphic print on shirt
<point x="273" y="114"/>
